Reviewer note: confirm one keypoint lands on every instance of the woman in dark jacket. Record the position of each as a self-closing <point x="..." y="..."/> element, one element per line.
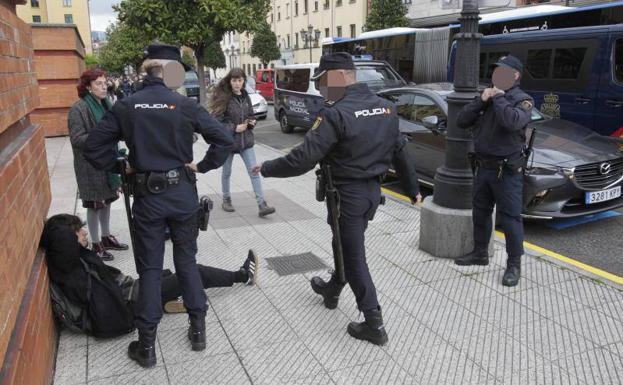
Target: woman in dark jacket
<point x="95" y="190"/>
<point x="231" y="104"/>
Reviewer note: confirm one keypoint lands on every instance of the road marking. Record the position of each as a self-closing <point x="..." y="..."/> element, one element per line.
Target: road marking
<point x="588" y="268"/>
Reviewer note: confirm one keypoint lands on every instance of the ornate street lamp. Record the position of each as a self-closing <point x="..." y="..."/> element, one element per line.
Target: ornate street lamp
<point x="309" y="37"/>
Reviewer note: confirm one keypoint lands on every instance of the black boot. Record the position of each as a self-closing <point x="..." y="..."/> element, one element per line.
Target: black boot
<point x="143" y="351"/>
<point x="197" y="332"/>
<point x="478" y="256"/>
<point x="330" y="291"/>
<point x="512" y="272"/>
<point x="371" y="330"/>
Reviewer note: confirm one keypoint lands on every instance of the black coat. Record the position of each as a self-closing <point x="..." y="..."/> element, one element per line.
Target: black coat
<point x="235" y="114"/>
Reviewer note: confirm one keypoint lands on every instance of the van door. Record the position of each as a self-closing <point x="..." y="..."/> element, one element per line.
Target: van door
<point x="609" y="110"/>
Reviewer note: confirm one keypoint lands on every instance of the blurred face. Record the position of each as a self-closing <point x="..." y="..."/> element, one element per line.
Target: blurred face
<point x="332" y="85"/>
<point x="98" y="88"/>
<point x="83" y="237"/>
<point x="236" y="85"/>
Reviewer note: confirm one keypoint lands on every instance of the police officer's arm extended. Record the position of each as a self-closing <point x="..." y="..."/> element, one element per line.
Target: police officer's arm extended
<point x="315" y="147"/>
<point x="99" y="147"/>
<point x="510" y="116"/>
<point x="220" y="139"/>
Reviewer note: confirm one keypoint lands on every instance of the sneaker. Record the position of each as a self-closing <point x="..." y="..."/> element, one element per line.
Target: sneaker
<point x="101" y="252"/>
<point x="251" y="266"/>
<point x="227" y="206"/>
<point x="111" y="243"/>
<point x="265" y="209"/>
<point x="175" y="306"/>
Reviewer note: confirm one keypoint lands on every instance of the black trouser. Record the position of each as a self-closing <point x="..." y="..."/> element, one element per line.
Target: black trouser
<point x="358" y="202"/>
<point x="505" y="191"/>
<point x="210" y="277"/>
<point x="176" y="207"/>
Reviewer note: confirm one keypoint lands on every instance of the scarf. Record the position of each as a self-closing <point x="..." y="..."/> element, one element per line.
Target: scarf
<point x="97" y="108"/>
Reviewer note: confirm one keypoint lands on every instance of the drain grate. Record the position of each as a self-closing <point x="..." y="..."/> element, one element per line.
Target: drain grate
<point x="296" y="264"/>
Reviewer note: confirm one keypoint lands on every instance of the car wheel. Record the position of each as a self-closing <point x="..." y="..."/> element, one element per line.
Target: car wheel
<point x="286" y="128"/>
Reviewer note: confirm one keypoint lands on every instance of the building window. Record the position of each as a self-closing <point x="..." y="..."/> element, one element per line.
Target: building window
<point x="279" y="41"/>
<point x="69" y="19"/>
<point x="66" y="3"/>
<point x="296" y="8"/>
<point x="278" y="13"/>
<point x="338" y="3"/>
<point x="327" y="4"/>
<point x="353" y="30"/>
<point x="326" y="32"/>
<point x="36" y="19"/>
<point x="254" y="68"/>
<point x="288" y="41"/>
<point x="339" y="31"/>
<point x="287" y="10"/>
<point x="296" y="40"/>
<point x="305" y="6"/>
<point x="34" y="3"/>
<point x="271" y="18"/>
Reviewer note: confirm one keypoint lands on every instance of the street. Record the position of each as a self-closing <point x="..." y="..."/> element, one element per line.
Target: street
<point x="595" y="241"/>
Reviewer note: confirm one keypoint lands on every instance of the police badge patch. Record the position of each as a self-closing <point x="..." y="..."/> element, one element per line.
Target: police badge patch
<point x="317" y="123"/>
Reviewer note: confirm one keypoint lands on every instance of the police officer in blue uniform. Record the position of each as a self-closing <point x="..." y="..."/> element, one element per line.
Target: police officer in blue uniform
<point x="357" y="135"/>
<point x="499" y="120"/>
<point x="157" y="125"/>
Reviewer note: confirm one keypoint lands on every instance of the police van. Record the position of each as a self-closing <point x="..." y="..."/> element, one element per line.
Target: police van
<point x="572" y="73"/>
<point x="297" y="101"/>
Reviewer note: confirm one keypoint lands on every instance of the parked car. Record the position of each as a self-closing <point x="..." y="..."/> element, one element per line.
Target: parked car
<point x="191" y="84"/>
<point x="260" y="107"/>
<point x="573" y="170"/>
<point x="297" y="101"/>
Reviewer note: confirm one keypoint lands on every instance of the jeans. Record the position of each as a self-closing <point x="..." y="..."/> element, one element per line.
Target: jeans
<point x="248" y="156"/>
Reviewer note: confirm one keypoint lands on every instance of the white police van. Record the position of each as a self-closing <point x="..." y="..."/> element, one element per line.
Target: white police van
<point x="298" y="102"/>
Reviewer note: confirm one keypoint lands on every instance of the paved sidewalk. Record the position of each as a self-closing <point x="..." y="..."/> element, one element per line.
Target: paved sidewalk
<point x="446" y="324"/>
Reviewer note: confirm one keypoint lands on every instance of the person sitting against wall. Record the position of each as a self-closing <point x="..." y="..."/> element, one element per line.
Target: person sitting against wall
<point x="99" y="289"/>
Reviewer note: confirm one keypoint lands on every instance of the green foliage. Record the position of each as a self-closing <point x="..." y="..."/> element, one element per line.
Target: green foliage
<point x="264" y="45"/>
<point x="193" y="23"/>
<point x="188" y="59"/>
<point x="91" y="61"/>
<point x="125" y="46"/>
<point x="213" y="56"/>
<point x="386" y="14"/>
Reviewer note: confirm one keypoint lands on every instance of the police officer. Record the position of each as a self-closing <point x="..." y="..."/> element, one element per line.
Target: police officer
<point x="357" y="135"/>
<point x="499" y="119"/>
<point x="157" y="125"/>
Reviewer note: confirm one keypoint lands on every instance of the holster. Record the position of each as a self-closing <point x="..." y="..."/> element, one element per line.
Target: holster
<point x="205" y="206"/>
<point x="473" y="163"/>
<point x="321" y="186"/>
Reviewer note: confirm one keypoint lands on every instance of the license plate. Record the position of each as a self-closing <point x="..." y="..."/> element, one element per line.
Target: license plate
<point x="602" y="196"/>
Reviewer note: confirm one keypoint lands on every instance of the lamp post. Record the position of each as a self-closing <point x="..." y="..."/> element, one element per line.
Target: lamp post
<point x="310" y="36"/>
<point x="231" y="52"/>
<point x="446" y="223"/>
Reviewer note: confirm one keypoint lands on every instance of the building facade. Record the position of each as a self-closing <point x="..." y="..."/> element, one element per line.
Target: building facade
<point x="60" y="12"/>
<point x="290" y="20"/>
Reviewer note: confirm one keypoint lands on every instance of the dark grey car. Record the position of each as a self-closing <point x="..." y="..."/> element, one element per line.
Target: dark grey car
<point x="573" y="170"/>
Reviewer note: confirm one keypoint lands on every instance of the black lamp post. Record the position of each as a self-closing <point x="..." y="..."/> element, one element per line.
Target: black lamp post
<point x="453" y="180"/>
<point x="309" y="37"/>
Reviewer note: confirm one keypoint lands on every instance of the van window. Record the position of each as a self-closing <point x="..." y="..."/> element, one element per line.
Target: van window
<point x="494" y="57"/>
<point x="265" y="76"/>
<point x="567" y="62"/>
<point x="293" y="79"/>
<point x="618" y="61"/>
<point x="538" y="61"/>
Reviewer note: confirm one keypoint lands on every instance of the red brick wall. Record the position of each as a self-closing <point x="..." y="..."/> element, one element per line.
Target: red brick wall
<point x="27" y="334"/>
<point x="59" y="62"/>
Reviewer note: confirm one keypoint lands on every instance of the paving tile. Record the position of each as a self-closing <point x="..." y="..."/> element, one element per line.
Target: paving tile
<point x="379" y="372"/>
<point x="241" y="303"/>
<point x="597" y="366"/>
<point x="280" y="363"/>
<point x="393" y="278"/>
<point x="297" y="295"/>
<point x="502" y="311"/>
<point x="69" y="340"/>
<point x="156" y="376"/>
<point x="493" y="280"/>
<point x="547" y="274"/>
<point x="408" y="335"/>
<point x="306" y="321"/>
<point x="261" y="329"/>
<point x="337" y="350"/>
<point x="71" y="366"/>
<point x="463" y="289"/>
<point x="545" y="374"/>
<point x="593" y="325"/>
<point x="223" y="369"/>
<point x="431" y="271"/>
<point x="611" y="309"/>
<point x="545" y="301"/>
<point x="588" y="292"/>
<point x="417" y="300"/>
<point x="175" y="345"/>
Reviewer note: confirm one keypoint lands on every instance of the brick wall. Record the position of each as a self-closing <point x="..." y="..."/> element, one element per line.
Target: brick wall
<point x="27" y="333"/>
<point x="58" y="62"/>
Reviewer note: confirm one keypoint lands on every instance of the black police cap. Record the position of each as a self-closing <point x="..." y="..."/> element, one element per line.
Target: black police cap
<point x="333" y="61"/>
<point x="511" y="62"/>
<point x="163" y="52"/>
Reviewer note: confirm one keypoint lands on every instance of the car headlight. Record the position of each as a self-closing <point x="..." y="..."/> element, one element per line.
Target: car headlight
<point x="551" y="170"/>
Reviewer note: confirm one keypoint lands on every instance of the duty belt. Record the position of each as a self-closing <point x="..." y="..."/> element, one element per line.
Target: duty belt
<point x="154" y="182"/>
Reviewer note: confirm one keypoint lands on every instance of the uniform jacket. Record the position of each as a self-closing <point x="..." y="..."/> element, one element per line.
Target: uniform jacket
<point x="358" y="136"/>
<point x="157" y="125"/>
<point x="499" y="124"/>
<point x="92" y="183"/>
<point x="236" y="113"/>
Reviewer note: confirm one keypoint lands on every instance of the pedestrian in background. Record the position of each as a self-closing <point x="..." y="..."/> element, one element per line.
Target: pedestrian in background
<point x="231" y="104"/>
<point x="94" y="185"/>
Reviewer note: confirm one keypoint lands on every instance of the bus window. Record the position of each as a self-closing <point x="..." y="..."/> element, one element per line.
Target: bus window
<point x="538" y="63"/>
<point x="618" y="61"/>
<point x="567" y="62"/>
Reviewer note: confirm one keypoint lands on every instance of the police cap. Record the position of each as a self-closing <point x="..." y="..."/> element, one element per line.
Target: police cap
<point x="333" y="61"/>
<point x="511" y="62"/>
<point x="164" y="52"/>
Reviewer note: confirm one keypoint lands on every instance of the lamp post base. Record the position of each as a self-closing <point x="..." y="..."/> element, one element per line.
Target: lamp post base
<point x="447" y="233"/>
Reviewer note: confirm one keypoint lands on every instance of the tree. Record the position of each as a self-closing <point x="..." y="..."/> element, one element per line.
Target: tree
<point x="91" y="61"/>
<point x="213" y="56"/>
<point x="386" y="14"/>
<point x="193" y="23"/>
<point x="125" y="46"/>
<point x="188" y="59"/>
<point x="264" y="45"/>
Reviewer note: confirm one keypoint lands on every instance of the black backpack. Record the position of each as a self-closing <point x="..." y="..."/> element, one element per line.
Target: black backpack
<point x="67" y="313"/>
